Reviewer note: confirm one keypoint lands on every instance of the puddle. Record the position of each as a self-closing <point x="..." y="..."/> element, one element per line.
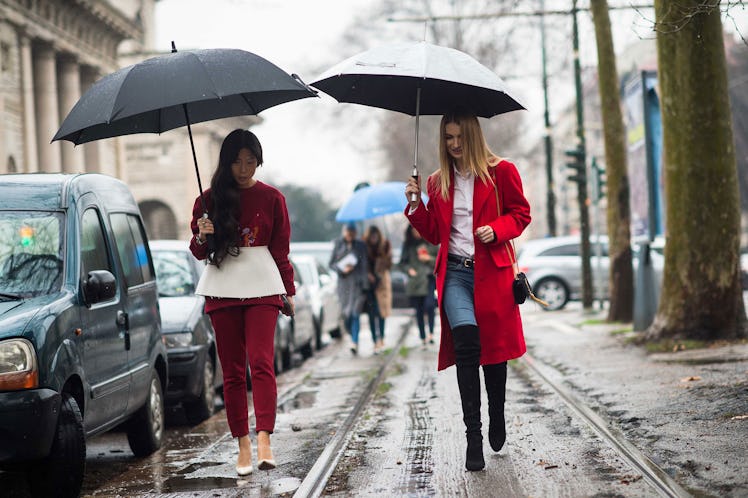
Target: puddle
<point x="303" y="399"/>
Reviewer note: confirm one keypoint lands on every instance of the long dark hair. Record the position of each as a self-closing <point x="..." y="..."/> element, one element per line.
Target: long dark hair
<point x="225" y="193"/>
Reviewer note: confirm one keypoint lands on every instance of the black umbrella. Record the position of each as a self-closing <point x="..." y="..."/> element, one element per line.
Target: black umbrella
<point x="178" y="89"/>
<point x="418" y="78"/>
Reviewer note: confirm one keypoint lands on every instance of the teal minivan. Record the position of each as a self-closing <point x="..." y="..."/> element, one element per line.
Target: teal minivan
<point x="80" y="340"/>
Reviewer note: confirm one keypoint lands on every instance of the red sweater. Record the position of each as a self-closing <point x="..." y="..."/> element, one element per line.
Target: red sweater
<point x="263" y="222"/>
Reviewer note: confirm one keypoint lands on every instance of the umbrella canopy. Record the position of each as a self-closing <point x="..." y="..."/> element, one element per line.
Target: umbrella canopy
<point x="374" y="201"/>
<point x="391" y="77"/>
<point x="177" y="89"/>
<point x="418" y="78"/>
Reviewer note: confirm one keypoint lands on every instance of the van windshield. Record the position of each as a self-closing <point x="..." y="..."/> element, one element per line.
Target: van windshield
<point x="30" y="253"/>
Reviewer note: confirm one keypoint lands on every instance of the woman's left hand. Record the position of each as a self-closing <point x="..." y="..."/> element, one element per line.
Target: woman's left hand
<point x="485" y="234"/>
<point x="291" y="308"/>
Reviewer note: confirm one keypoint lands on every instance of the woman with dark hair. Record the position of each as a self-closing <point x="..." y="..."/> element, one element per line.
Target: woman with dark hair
<point x="379" y="293"/>
<point x="247" y="281"/>
<point x="417" y="261"/>
<point x="476" y="206"/>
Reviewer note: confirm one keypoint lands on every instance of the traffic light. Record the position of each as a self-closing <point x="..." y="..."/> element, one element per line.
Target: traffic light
<point x="600" y="180"/>
<point x="576" y="163"/>
<point x="27" y="235"/>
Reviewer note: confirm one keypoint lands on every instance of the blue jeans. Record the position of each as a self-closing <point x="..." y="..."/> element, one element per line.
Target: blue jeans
<point x="459" y="297"/>
<point x="376" y="322"/>
<point x="353" y="324"/>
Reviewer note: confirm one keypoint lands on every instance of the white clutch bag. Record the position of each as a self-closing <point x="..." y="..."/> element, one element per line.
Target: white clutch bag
<point x="253" y="273"/>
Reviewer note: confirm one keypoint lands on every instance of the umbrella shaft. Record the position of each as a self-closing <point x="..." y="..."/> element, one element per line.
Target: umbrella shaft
<point x="194" y="158"/>
<point x="414" y="197"/>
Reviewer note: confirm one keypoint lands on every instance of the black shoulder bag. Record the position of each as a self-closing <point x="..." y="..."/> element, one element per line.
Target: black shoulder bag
<point x="521" y="287"/>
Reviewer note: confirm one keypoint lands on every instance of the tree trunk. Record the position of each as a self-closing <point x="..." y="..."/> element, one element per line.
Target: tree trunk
<point x="701" y="294"/>
<point x="619" y="217"/>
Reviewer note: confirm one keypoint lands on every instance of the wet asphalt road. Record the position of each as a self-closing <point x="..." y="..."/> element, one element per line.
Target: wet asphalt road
<point x="409" y="439"/>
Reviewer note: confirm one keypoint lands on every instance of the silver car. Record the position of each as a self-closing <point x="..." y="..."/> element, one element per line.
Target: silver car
<point x="553" y="266"/>
<point x="322" y="293"/>
<point x="194" y="371"/>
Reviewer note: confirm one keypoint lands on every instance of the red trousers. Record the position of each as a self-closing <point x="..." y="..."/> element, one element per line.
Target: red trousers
<point x="247" y="333"/>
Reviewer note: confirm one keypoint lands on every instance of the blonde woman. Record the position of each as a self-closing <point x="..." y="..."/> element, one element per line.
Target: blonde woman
<point x="480" y="322"/>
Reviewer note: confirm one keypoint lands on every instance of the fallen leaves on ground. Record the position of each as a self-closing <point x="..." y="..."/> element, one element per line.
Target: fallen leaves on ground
<point x="690" y="378"/>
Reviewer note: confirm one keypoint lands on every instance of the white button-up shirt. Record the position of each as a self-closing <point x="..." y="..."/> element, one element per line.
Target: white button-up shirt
<point x="461" y="241"/>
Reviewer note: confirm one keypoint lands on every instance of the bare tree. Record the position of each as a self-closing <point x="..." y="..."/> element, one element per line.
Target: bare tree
<point x="701" y="295"/>
<point x="619" y="216"/>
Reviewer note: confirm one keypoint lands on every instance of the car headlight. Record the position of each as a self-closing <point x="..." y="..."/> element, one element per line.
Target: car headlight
<point x="18" y="368"/>
<point x="180" y="340"/>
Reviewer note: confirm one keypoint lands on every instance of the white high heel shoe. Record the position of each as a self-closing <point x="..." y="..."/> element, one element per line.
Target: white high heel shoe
<point x="244" y="471"/>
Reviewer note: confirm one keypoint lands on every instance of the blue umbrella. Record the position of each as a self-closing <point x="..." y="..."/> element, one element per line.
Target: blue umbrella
<point x="374" y="201"/>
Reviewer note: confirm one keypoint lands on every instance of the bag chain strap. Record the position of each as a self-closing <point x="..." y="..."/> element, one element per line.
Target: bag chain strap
<point x="512" y="255"/>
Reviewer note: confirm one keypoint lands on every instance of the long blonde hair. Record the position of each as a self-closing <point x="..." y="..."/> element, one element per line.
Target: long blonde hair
<point x="477" y="156"/>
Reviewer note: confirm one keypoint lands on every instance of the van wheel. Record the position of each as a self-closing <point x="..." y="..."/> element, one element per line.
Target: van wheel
<point x="61" y="474"/>
<point x="146" y="429"/>
<point x="202" y="408"/>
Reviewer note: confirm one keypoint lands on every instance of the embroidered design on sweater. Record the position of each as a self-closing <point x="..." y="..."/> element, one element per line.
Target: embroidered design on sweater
<point x="248" y="236"/>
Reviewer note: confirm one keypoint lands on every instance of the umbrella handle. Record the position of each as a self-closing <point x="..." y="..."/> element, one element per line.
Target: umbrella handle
<point x="414" y="196"/>
<point x="209" y="238"/>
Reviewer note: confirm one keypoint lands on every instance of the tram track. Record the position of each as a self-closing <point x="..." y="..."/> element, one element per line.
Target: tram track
<point x="653" y="474"/>
<point x="316" y="479"/>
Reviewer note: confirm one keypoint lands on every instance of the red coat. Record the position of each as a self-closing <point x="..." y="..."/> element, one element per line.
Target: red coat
<point x="497" y="315"/>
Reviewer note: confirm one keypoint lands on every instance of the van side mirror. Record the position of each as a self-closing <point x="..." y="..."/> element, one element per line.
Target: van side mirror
<point x="99" y="286"/>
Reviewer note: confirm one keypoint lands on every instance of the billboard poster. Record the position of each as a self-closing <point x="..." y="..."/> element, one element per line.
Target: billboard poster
<point x="644" y="147"/>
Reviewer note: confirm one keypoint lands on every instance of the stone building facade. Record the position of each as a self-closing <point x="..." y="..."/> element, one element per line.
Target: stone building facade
<point x="51" y="52"/>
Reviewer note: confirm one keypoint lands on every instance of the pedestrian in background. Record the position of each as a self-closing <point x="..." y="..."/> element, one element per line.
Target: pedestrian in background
<point x="247" y="278"/>
<point x="379" y="293"/>
<point x="349" y="261"/>
<point x="417" y="259"/>
<point x="480" y="321"/>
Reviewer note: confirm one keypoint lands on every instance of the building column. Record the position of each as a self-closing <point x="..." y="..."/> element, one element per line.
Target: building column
<point x="30" y="156"/>
<point x="47" y="109"/>
<point x="68" y="77"/>
<point x="91" y="150"/>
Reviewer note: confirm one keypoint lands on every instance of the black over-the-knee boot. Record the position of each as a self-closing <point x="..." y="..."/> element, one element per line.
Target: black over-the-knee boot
<point x="467" y="355"/>
<point x="495" y="376"/>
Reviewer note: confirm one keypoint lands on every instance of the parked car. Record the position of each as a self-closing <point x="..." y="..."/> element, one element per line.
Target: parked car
<point x="322" y="251"/>
<point x="194" y="371"/>
<point x="322" y="293"/>
<point x="80" y="338"/>
<point x="297" y="333"/>
<point x="553" y="266"/>
<point x="399" y="280"/>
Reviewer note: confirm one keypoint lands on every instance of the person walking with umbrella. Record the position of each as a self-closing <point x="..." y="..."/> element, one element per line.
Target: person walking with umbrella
<point x="247" y="281"/>
<point x="480" y="321"/>
<point x="417" y="261"/>
<point x="379" y="293"/>
<point x="349" y="261"/>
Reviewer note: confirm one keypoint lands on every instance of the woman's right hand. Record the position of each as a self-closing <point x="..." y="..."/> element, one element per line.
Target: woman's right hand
<point x="205" y="227"/>
<point x="413" y="187"/>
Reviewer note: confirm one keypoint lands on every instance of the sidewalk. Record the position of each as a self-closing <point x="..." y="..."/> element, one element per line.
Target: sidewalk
<point x="686" y="410"/>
